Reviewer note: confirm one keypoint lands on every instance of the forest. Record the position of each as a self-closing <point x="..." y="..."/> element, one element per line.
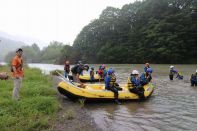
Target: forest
<point x="155" y="31"/>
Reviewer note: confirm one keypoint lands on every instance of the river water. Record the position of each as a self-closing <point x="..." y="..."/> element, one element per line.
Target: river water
<point x="172" y="106"/>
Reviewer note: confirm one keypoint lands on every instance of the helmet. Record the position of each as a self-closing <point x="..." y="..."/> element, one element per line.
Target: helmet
<point x="196" y="71"/>
<point x="149" y="70"/>
<point x="110" y="71"/>
<point x="92" y="68"/>
<point x="171" y="67"/>
<point x="135" y="72"/>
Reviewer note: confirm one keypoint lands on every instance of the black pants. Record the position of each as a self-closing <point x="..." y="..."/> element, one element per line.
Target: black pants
<point x="115" y="91"/>
<point x="139" y="90"/>
<point x="171" y="77"/>
<point x="193" y="83"/>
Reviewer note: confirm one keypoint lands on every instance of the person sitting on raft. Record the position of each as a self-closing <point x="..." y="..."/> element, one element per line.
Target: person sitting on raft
<point x="134" y="84"/>
<point x="92" y="74"/>
<point x="147" y="65"/>
<point x="193" y="79"/>
<point x="146" y="77"/>
<point x="172" y="72"/>
<point x="110" y="84"/>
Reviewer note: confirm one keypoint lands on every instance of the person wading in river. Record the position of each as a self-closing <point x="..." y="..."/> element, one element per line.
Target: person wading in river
<point x="17" y="73"/>
<point x="193" y="79"/>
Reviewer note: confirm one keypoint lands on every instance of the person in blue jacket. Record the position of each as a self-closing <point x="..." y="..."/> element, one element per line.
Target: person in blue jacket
<point x="146" y="77"/>
<point x="179" y="76"/>
<point x="110" y="84"/>
<point x="135" y="85"/>
<point x="147" y="65"/>
<point x="193" y="79"/>
<point x="172" y="72"/>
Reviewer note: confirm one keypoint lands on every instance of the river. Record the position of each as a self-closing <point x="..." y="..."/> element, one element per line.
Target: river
<point x="172" y="106"/>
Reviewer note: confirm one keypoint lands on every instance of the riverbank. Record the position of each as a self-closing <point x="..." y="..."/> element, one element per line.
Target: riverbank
<point x="73" y="116"/>
<point x="40" y="106"/>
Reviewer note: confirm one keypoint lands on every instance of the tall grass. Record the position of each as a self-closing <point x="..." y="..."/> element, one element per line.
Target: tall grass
<point x="37" y="106"/>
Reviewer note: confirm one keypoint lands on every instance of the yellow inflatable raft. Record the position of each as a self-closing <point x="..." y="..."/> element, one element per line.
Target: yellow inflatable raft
<point x="97" y="91"/>
<point x="86" y="78"/>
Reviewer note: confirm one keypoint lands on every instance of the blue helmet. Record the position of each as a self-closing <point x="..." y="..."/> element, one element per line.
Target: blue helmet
<point x="149" y="70"/>
<point x="110" y="71"/>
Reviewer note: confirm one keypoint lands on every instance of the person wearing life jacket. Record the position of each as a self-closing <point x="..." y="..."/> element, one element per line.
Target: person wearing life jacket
<point x="101" y="71"/>
<point x="134" y="84"/>
<point x="179" y="76"/>
<point x="66" y="68"/>
<point x="110" y="84"/>
<point x="146" y="77"/>
<point x="92" y="74"/>
<point x="193" y="79"/>
<point x="172" y="72"/>
<point x="147" y="65"/>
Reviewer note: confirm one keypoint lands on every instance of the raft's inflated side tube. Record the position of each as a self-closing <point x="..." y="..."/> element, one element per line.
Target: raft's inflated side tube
<point x="98" y="92"/>
<point x="86" y="78"/>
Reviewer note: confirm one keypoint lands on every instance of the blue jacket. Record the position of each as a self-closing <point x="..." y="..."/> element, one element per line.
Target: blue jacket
<point x="135" y="81"/>
<point x="173" y="71"/>
<point x="194" y="78"/>
<point x="145" y="68"/>
<point x="144" y="80"/>
<point x="109" y="81"/>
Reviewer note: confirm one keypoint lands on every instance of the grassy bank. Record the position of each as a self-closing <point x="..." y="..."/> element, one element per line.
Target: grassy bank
<point x="37" y="106"/>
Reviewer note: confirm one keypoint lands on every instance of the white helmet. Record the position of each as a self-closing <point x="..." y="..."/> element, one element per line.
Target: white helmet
<point x="171" y="67"/>
<point x="135" y="72"/>
<point x="196" y="71"/>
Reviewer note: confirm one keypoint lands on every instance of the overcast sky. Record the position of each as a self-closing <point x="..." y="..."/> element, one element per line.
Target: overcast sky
<point x="49" y="20"/>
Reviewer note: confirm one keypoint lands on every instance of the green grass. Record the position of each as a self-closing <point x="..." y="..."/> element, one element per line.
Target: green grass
<point x="37" y="107"/>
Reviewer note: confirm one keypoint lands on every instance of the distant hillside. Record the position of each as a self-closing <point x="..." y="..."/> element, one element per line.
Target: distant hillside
<point x="7" y="45"/>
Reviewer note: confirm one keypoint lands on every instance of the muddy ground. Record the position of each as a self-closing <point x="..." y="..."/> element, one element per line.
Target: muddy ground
<point x="72" y="116"/>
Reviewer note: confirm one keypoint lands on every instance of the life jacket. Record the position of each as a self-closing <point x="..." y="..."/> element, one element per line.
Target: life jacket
<point x="132" y="81"/>
<point x="193" y="77"/>
<point x="172" y="71"/>
<point x="101" y="72"/>
<point x="112" y="81"/>
<point x="179" y="76"/>
<point x="145" y="79"/>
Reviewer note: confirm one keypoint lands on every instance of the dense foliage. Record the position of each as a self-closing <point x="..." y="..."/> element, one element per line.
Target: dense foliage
<point x="158" y="31"/>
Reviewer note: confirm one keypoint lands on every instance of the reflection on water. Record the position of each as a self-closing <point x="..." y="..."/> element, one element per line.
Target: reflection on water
<point x="173" y="105"/>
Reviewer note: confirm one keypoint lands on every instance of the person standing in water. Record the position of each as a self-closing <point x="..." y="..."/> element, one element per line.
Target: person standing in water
<point x="17" y="73"/>
<point x="193" y="79"/>
<point x="172" y="72"/>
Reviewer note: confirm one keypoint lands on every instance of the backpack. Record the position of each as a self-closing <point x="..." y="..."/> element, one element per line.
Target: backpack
<point x="74" y="69"/>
